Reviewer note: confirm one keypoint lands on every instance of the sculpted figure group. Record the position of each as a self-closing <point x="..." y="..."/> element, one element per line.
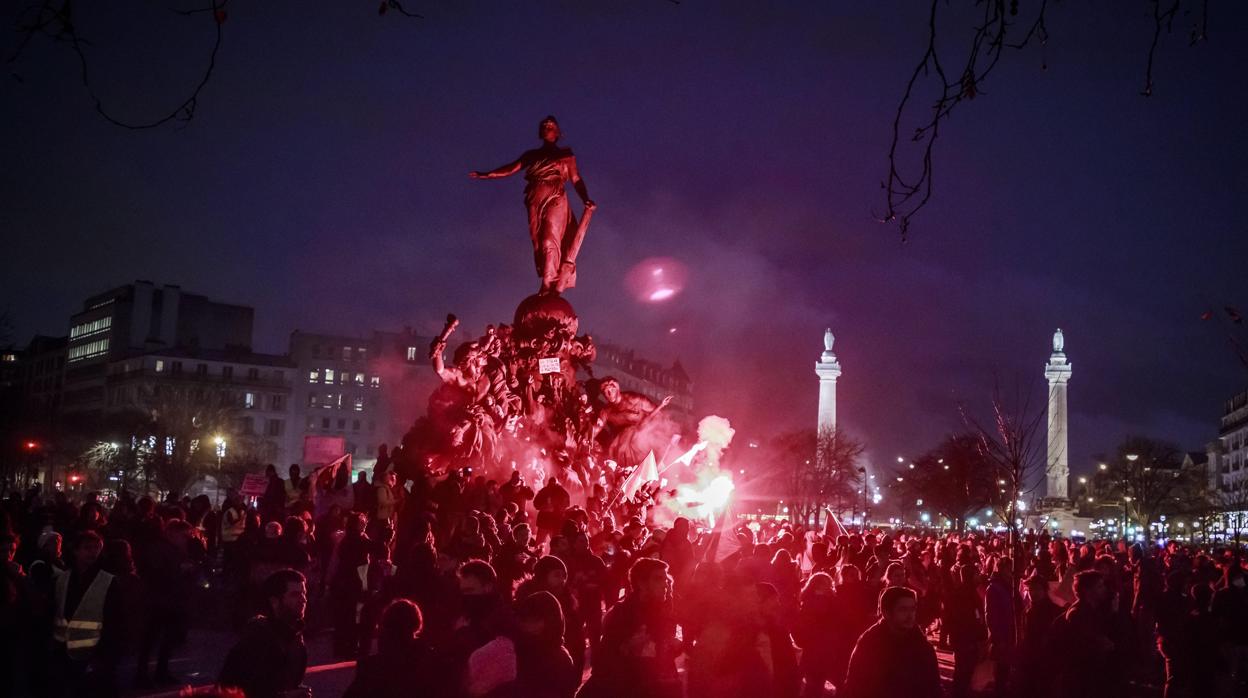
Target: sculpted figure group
<point x="512" y="398"/>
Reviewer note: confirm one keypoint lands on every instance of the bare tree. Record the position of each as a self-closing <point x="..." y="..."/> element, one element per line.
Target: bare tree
<point x="817" y="470"/>
<point x="952" y="480"/>
<point x="59" y="22"/>
<point x="996" y="25"/>
<point x="175" y="440"/>
<point x="1013" y="445"/>
<point x="1147" y="477"/>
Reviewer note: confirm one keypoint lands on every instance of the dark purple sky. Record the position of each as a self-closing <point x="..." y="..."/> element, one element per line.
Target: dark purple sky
<point x="323" y="181"/>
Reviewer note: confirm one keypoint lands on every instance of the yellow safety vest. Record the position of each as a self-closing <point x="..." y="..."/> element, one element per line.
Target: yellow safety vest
<point x="81" y="633"/>
<point x="232" y="529"/>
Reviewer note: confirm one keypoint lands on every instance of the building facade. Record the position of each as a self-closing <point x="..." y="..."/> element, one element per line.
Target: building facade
<point x="649" y="378"/>
<point x="366" y="389"/>
<point x="43" y="376"/>
<point x="242" y="396"/>
<point x="1227" y="457"/>
<point x="137" y="318"/>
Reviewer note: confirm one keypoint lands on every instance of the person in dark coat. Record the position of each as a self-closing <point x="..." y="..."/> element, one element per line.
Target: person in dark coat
<point x="169" y="577"/>
<point x="346" y="588"/>
<point x="544" y="668"/>
<point x="273" y="501"/>
<point x="270" y="659"/>
<point x="967" y="631"/>
<point x="1172" y="610"/>
<point x="638" y="651"/>
<point x="550" y="574"/>
<point x="404" y="663"/>
<point x="892" y="658"/>
<point x="1084" y="643"/>
<point x="1001" y="618"/>
<point x="1037" y="623"/>
<point x="816" y="633"/>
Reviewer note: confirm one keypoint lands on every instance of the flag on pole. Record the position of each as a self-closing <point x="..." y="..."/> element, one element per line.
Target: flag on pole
<point x="324" y="475"/>
<point x="832" y="527"/>
<point x="648" y="471"/>
<point x="686" y="458"/>
<point x="724" y="541"/>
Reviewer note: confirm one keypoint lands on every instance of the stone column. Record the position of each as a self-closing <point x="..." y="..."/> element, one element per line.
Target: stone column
<point x="1057" y="372"/>
<point x="828" y="370"/>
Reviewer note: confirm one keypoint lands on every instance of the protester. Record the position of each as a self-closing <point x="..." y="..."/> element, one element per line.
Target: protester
<point x="892" y="658"/>
<point x="270" y="659"/>
<point x="404" y="660"/>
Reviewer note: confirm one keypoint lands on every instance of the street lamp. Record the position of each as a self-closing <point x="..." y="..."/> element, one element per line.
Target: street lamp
<point x="220" y="442"/>
<point x="1126" y="499"/>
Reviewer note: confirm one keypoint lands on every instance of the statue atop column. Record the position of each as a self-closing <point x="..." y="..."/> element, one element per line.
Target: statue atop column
<point x="553" y="227"/>
<point x="1059" y="341"/>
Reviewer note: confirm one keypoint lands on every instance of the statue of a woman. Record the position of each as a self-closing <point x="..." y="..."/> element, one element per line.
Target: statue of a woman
<point x="552" y="225"/>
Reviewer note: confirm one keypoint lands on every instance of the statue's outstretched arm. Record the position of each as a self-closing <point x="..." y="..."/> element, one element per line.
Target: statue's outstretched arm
<point x="501" y="171"/>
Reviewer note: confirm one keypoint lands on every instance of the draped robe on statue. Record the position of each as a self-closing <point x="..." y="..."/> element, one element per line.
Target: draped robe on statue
<point x="550" y="216"/>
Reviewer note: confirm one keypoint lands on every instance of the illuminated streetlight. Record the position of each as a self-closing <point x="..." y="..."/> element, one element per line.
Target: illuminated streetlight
<point x="1103" y="466"/>
<point x="1083" y="481"/>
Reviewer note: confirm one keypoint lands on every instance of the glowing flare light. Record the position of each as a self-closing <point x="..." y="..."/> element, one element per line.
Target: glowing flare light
<point x="708" y="501"/>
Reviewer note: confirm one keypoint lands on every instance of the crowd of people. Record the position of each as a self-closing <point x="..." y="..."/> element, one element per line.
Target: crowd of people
<point x="450" y="584"/>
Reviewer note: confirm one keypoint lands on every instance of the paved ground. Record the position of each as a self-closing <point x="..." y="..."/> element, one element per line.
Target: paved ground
<point x="200" y="659"/>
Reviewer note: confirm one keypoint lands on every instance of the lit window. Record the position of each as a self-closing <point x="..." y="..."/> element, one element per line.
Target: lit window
<point x="91" y="327"/>
<point x="88" y="350"/>
<point x="314" y="376"/>
<point x="339" y="400"/>
<point x="346" y="353"/>
<point x="160" y="365"/>
<point x="411" y="353"/>
<point x="311" y="399"/>
<point x="359" y="404"/>
<point x="169" y="444"/>
<point x="249" y="400"/>
<point x="9" y="358"/>
<point x="361" y="352"/>
<point x="329" y="375"/>
<point x="375" y="382"/>
<point x="359" y="379"/>
<point x="329" y="401"/>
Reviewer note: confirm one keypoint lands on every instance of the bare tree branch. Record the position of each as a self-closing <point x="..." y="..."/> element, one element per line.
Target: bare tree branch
<point x="906" y="193"/>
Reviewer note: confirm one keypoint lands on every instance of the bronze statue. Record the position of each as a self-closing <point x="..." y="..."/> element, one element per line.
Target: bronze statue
<point x="552" y="226"/>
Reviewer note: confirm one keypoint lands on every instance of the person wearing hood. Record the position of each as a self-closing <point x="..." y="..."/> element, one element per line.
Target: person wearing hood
<point x="550" y="574"/>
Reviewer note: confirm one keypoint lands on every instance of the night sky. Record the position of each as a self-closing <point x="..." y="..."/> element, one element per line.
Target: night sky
<point x="324" y="182"/>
